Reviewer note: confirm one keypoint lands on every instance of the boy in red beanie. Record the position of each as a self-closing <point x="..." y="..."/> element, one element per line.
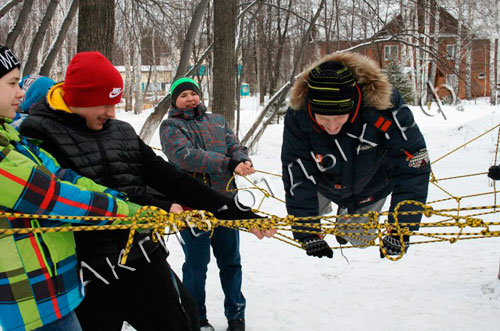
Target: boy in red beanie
<point x="76" y="124"/>
<point x="92" y="87"/>
<point x="40" y="285"/>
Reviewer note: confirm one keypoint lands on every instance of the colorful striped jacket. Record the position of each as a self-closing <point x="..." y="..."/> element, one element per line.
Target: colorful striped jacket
<point x="201" y="144"/>
<point x="39" y="280"/>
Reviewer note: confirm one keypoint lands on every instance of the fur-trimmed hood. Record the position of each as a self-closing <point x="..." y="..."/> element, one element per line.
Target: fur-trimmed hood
<point x="374" y="84"/>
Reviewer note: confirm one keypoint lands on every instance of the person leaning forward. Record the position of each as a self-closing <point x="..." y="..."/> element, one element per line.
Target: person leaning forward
<point x="350" y="138"/>
<point x="76" y="123"/>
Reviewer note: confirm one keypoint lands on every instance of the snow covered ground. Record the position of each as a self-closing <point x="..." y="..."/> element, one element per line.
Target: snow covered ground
<point x="439" y="286"/>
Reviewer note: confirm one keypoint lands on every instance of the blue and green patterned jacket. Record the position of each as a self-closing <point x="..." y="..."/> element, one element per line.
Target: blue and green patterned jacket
<point x="39" y="280"/>
<point x="201" y="144"/>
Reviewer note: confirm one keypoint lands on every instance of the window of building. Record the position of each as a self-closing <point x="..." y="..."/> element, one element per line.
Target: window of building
<point x="390" y="52"/>
<point x="481" y="75"/>
<point x="450" y="51"/>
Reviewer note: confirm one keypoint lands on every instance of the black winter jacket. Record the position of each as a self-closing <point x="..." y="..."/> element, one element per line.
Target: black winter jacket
<point x="378" y="151"/>
<point x="116" y="157"/>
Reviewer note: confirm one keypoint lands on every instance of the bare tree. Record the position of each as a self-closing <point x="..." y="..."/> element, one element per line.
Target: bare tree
<point x="253" y="135"/>
<point x="7" y="6"/>
<point x="261" y="57"/>
<point x="127" y="54"/>
<point x="20" y="23"/>
<point x="153" y="121"/>
<point x="36" y="45"/>
<point x="244" y="47"/>
<point x="224" y="59"/>
<point x="58" y="41"/>
<point x="494" y="52"/>
<point x="137" y="61"/>
<point x="281" y="32"/>
<point x="435" y="11"/>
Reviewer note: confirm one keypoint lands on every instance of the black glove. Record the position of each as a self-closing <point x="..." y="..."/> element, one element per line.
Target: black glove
<point x="316" y="247"/>
<point x="392" y="245"/>
<point x="232" y="164"/>
<point x="494" y="172"/>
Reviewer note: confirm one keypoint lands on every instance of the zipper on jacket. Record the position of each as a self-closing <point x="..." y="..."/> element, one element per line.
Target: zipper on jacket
<point x="47" y="256"/>
<point x="28" y="150"/>
<point x="105" y="164"/>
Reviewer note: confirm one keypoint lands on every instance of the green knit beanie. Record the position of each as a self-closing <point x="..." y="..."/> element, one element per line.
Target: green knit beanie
<point x="183" y="84"/>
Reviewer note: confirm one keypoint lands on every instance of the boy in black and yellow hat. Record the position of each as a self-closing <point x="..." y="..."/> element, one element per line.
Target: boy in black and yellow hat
<point x="351" y="139"/>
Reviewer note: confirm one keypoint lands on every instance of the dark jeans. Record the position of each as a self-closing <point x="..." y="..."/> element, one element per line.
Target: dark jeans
<point x="147" y="298"/>
<point x="225" y="243"/>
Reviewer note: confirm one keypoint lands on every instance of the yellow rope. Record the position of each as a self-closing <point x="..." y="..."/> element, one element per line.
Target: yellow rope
<point x="157" y="220"/>
<point x="465" y="144"/>
<point x="462" y="176"/>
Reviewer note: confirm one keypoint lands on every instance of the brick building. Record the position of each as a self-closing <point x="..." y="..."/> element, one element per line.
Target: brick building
<point x="443" y="53"/>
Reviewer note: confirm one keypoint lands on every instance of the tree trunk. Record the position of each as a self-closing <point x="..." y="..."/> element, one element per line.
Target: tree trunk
<point x="153" y="120"/>
<point x="187" y="47"/>
<point x="155" y="70"/>
<point x="56" y="46"/>
<point x="416" y="41"/>
<point x="20" y="24"/>
<point x="137" y="75"/>
<point x="244" y="56"/>
<point x="260" y="50"/>
<point x="495" y="78"/>
<point x="224" y="59"/>
<point x="458" y="49"/>
<point x="434" y="45"/>
<point x="36" y="45"/>
<point x="127" y="54"/>
<point x="96" y="27"/>
<point x="492" y="70"/>
<point x="7" y="6"/>
<point x="279" y="54"/>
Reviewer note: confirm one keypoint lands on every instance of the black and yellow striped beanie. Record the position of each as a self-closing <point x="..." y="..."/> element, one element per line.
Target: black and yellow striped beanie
<point x="331" y="89"/>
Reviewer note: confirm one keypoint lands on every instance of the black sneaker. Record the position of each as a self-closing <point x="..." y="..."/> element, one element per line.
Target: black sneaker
<point x="236" y="325"/>
<point x="205" y="326"/>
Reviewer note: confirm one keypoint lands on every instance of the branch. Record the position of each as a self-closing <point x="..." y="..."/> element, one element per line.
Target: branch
<point x="280" y="95"/>
<point x="6" y="7"/>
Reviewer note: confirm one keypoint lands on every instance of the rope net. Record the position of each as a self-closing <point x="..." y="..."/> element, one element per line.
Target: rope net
<point x="439" y="225"/>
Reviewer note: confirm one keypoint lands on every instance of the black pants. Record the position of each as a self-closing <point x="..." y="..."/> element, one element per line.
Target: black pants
<point x="147" y="298"/>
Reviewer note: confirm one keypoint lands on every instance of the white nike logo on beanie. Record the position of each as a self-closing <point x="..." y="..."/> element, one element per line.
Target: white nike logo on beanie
<point x="116" y="92"/>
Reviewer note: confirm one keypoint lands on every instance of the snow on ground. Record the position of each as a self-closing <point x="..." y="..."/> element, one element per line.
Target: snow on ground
<point x="438" y="286"/>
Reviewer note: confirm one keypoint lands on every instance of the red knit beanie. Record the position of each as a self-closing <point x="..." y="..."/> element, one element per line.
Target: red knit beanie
<point x="91" y="80"/>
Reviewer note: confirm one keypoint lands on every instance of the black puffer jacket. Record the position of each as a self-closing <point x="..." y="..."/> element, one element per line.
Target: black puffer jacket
<point x="116" y="157"/>
<point x="111" y="157"/>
